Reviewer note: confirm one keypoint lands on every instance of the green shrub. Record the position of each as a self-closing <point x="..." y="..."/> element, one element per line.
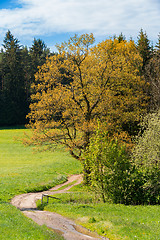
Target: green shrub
<point x="146" y="157"/>
<point x="110" y="168"/>
<point x="119" y="178"/>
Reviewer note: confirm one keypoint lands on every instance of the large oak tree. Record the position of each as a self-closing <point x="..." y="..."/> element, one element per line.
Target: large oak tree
<point x="102" y="83"/>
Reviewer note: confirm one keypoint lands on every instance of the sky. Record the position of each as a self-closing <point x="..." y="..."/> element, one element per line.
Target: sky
<point x="55" y="21"/>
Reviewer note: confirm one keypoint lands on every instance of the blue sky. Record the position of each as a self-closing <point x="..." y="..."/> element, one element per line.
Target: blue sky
<point x="55" y="21"/>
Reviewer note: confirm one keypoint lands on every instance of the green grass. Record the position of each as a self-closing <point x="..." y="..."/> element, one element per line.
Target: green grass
<point x="14" y="225"/>
<point x="115" y="221"/>
<point x="23" y="171"/>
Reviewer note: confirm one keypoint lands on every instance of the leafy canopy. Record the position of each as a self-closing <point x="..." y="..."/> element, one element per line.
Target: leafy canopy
<point x="82" y="84"/>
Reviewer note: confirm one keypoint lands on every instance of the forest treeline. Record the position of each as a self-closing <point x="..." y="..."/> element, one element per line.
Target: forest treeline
<point x="18" y="65"/>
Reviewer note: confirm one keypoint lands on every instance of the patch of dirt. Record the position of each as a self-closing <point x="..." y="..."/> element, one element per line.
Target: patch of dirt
<point x="66" y="227"/>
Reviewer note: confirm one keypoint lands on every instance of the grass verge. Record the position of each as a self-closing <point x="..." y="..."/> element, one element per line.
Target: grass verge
<point x="14" y="225"/>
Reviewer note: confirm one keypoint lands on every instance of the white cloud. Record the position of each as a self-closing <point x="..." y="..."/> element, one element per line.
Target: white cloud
<point x="102" y="17"/>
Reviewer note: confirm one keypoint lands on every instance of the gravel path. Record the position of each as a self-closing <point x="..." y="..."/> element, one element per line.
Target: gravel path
<point x="66" y="227"/>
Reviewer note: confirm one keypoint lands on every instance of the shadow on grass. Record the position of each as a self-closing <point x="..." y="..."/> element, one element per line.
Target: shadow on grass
<point x="12" y="127"/>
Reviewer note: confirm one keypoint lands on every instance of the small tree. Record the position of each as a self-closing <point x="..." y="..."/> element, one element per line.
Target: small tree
<point x="146" y="157"/>
<point x="111" y="169"/>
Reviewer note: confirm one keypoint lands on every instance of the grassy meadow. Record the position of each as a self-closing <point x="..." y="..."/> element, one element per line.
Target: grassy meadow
<point x="23" y="170"/>
<point x="115" y="221"/>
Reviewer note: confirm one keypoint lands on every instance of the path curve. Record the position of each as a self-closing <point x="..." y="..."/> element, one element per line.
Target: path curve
<point x="66" y="227"/>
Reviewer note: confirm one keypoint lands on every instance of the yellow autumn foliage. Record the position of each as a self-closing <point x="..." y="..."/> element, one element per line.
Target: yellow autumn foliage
<point x="81" y="85"/>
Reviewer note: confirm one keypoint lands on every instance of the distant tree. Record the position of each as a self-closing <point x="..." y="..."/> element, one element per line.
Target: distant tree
<point x="152" y="76"/>
<point x="38" y="53"/>
<point x="157" y="46"/>
<point x="144" y="48"/>
<point x="121" y="38"/>
<point x="13" y="92"/>
<point x="146" y="52"/>
<point x="1" y="81"/>
<point x="27" y="68"/>
<point x="105" y="85"/>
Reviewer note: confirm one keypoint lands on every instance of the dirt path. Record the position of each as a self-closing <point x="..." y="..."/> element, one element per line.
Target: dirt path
<point x="60" y="224"/>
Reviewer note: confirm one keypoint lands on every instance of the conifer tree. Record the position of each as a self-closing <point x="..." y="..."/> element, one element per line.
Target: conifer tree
<point x="152" y="75"/>
<point x="121" y="38"/>
<point x="157" y="46"/>
<point x="12" y="75"/>
<point x="144" y="48"/>
<point x="38" y="53"/>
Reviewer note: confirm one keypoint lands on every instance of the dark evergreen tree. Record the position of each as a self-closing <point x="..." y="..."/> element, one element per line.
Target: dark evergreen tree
<point x="152" y="75"/>
<point x="146" y="51"/>
<point x="13" y="92"/>
<point x="27" y="68"/>
<point x="144" y="48"/>
<point x="157" y="46"/>
<point x="38" y="53"/>
<point x="121" y="37"/>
